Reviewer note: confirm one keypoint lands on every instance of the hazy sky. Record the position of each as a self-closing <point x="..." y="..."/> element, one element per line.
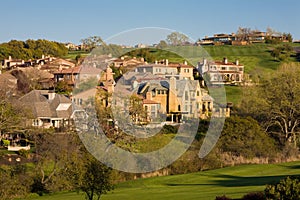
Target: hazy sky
<point x="72" y="20"/>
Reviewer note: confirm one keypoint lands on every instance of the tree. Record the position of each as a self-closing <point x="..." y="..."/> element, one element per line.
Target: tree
<point x="282" y="52"/>
<point x="244" y="137"/>
<point x="288" y="188"/>
<point x="288" y="37"/>
<point x="15" y="182"/>
<point x="162" y="44"/>
<point x="243" y="34"/>
<point x="56" y="155"/>
<point x="275" y="103"/>
<point x="62" y="87"/>
<point x="176" y="39"/>
<point x="95" y="180"/>
<point x="91" y="42"/>
<point x="136" y="110"/>
<point x="11" y="115"/>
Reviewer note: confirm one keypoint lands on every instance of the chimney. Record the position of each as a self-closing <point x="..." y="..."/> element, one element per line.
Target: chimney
<point x="167" y="62"/>
<point x="172" y="83"/>
<point x="43" y="56"/>
<point x="149" y="95"/>
<point x="185" y="62"/>
<point x="9" y="57"/>
<point x="225" y="60"/>
<point x="237" y="62"/>
<point x="156" y="62"/>
<point x="51" y="95"/>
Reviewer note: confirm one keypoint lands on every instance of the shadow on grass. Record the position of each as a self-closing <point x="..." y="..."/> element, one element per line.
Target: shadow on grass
<point x="236" y="181"/>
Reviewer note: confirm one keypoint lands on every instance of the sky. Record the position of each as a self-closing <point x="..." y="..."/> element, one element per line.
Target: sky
<point x="123" y="21"/>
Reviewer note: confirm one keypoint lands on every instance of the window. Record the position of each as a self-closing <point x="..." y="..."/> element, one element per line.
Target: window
<point x="198" y="93"/>
<point x="158" y="91"/>
<point x="223" y="68"/>
<point x="186" y="95"/>
<point x="186" y="108"/>
<point x="35" y="122"/>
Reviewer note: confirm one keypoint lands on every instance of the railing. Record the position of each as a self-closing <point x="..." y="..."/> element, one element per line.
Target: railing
<point x="18" y="148"/>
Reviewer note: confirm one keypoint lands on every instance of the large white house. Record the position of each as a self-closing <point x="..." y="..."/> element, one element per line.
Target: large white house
<point x="222" y="72"/>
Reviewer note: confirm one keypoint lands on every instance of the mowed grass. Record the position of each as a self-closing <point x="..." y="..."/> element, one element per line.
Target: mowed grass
<point x="256" y="56"/>
<point x="230" y="181"/>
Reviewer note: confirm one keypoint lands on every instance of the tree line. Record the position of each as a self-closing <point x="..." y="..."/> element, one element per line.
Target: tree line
<point x="31" y="49"/>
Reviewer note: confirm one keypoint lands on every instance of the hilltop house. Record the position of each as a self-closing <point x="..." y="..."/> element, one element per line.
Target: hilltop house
<point x="222" y="72"/>
<point x="48" y="108"/>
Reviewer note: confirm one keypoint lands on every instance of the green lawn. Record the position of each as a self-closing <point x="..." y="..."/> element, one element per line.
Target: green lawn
<point x="231" y="181"/>
<point x="233" y="94"/>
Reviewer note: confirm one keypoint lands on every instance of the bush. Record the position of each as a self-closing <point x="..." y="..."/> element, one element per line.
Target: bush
<point x="169" y="129"/>
<point x="287" y="189"/>
<point x="222" y="198"/>
<point x="255" y="196"/>
<point x="24" y="153"/>
<point x="6" y="142"/>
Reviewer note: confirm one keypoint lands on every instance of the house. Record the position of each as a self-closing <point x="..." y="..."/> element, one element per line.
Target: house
<point x="11" y="63"/>
<point x="125" y="61"/>
<point x="167" y="70"/>
<point x="218" y="39"/>
<point x="87" y="72"/>
<point x="48" y="108"/>
<point x="222" y="72"/>
<point x="70" y="75"/>
<point x="53" y="64"/>
<point x="178" y="99"/>
<point x="84" y="97"/>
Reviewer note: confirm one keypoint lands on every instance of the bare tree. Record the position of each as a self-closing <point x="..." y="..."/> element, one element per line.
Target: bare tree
<point x="275" y="103"/>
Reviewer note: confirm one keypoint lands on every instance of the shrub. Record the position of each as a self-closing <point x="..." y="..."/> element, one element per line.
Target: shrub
<point x="255" y="196"/>
<point x="6" y="142"/>
<point x="24" y="153"/>
<point x="169" y="129"/>
<point x="222" y="198"/>
<point x="287" y="189"/>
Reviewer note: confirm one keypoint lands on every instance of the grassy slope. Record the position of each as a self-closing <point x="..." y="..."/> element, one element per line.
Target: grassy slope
<point x="231" y="181"/>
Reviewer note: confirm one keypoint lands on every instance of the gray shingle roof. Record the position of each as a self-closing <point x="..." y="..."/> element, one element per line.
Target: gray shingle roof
<point x="43" y="107"/>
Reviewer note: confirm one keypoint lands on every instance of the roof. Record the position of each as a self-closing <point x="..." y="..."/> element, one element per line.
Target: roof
<point x="207" y="98"/>
<point x="73" y="70"/>
<point x="43" y="106"/>
<point x="223" y="63"/>
<point x="90" y="70"/>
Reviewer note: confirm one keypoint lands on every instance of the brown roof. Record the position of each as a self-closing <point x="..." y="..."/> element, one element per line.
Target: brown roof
<point x="73" y="70"/>
<point x="90" y="70"/>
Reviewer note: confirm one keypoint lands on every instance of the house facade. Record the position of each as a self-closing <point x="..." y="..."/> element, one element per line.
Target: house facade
<point x="168" y="70"/>
<point x="222" y="72"/>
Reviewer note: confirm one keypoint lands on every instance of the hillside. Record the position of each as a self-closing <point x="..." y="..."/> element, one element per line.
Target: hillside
<point x="231" y="181"/>
<point x="256" y="58"/>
